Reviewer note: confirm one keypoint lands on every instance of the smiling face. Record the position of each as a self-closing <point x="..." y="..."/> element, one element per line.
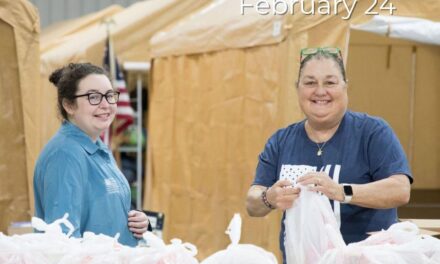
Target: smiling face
<point x="92" y="119"/>
<point x="322" y="92"/>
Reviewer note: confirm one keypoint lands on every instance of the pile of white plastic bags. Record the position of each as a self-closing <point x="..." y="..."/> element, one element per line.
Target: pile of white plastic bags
<point x="55" y="247"/>
<point x="52" y="246"/>
<point x="312" y="236"/>
<point x="400" y="244"/>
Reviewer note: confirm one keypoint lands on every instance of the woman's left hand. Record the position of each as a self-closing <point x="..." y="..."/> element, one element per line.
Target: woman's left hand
<point x="323" y="183"/>
<point x="137" y="223"/>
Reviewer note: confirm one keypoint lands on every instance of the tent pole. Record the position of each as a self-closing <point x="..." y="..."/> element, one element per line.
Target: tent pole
<point x="139" y="142"/>
<point x="412" y="94"/>
<point x="140" y="68"/>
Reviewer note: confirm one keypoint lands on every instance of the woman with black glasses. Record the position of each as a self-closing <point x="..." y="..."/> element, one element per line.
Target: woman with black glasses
<point x="354" y="159"/>
<point x="76" y="173"/>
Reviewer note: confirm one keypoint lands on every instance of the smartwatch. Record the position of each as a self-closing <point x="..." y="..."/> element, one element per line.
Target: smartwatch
<point x="348" y="193"/>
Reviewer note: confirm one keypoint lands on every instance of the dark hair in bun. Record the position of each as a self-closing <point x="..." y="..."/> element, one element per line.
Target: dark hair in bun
<point x="56" y="76"/>
<point x="67" y="78"/>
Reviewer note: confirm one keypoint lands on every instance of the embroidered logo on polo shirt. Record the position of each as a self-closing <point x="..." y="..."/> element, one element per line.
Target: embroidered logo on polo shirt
<point x="111" y="185"/>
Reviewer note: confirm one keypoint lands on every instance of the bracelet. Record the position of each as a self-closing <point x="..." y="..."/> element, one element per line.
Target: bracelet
<point x="265" y="201"/>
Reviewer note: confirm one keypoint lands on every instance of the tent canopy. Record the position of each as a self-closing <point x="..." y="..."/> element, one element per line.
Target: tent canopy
<point x="53" y="35"/>
<point x="221" y="25"/>
<point x="420" y="30"/>
<point x="131" y="32"/>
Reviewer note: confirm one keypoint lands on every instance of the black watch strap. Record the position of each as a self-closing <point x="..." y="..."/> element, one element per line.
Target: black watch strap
<point x="348" y="193"/>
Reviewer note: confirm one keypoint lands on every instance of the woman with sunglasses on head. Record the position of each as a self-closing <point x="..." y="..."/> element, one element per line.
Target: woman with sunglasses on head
<point x="76" y="172"/>
<point x="356" y="159"/>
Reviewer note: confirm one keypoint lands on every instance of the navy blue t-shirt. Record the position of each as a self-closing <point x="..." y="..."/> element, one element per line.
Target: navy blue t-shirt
<point x="364" y="149"/>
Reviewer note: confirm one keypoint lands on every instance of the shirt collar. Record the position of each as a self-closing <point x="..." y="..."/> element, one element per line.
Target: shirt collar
<point x="68" y="128"/>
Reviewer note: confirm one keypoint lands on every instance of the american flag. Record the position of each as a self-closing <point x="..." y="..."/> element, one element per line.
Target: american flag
<point x="125" y="113"/>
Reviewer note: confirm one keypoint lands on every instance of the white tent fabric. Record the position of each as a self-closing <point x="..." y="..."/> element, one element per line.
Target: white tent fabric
<point x="415" y="29"/>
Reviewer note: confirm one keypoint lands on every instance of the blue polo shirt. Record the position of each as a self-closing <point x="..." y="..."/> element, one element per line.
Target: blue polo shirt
<point x="77" y="176"/>
<point x="364" y="149"/>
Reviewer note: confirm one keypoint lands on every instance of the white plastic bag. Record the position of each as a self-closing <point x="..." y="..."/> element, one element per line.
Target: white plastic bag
<point x="400" y="244"/>
<point x="36" y="248"/>
<point x="175" y="253"/>
<point x="310" y="228"/>
<point x="237" y="253"/>
<point x="96" y="249"/>
<point x="55" y="227"/>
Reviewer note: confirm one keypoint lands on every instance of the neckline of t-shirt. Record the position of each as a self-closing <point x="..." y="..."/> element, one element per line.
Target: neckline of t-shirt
<point x="340" y="127"/>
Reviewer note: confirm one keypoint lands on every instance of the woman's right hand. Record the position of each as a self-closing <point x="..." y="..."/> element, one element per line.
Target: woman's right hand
<point x="138" y="223"/>
<point x="282" y="194"/>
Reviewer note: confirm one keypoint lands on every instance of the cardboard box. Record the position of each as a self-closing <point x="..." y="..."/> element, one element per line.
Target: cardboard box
<point x="19" y="228"/>
<point x="430" y="226"/>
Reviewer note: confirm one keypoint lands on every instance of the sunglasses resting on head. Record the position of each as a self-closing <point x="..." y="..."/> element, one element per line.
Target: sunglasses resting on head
<point x="325" y="50"/>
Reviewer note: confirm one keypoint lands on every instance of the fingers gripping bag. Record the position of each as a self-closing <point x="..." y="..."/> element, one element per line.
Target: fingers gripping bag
<point x="310" y="228"/>
<point x="237" y="253"/>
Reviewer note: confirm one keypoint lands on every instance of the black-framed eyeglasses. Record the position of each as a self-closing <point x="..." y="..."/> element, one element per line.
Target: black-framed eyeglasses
<point x="95" y="98"/>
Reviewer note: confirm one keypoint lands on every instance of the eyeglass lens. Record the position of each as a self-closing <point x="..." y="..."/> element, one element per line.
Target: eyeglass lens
<point x="96" y="98"/>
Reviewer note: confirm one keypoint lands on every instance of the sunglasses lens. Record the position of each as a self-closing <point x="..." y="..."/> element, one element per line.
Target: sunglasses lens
<point x="310" y="51"/>
<point x="331" y="50"/>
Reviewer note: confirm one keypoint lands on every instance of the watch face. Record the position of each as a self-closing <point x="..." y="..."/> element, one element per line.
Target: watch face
<point x="348" y="190"/>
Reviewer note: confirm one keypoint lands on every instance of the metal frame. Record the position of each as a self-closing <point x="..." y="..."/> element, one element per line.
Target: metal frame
<point x="139" y="68"/>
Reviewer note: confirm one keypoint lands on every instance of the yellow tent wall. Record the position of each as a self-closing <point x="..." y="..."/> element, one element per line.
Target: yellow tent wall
<point x="19" y="108"/>
<point x="217" y="94"/>
<point x="403" y="88"/>
<point x="209" y="117"/>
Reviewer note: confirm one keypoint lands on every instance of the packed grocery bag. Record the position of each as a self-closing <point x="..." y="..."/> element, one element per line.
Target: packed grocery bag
<point x="312" y="236"/>
<point x="310" y="228"/>
<point x="52" y="246"/>
<point x="237" y="253"/>
<point x="401" y="243"/>
<point x="176" y="252"/>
